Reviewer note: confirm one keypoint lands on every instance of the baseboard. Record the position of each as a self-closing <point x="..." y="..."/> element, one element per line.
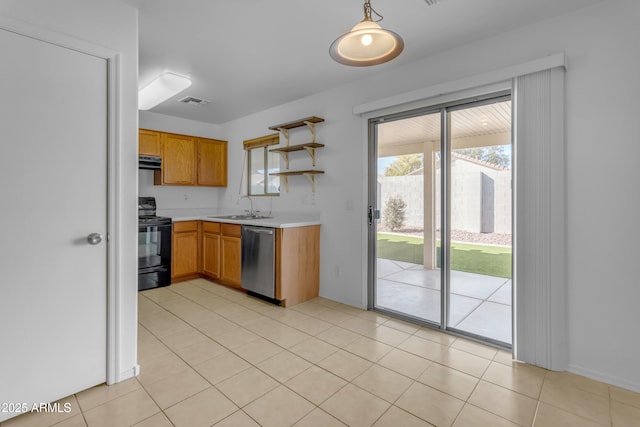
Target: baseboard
<point x="599" y="376"/>
<point x="129" y="373"/>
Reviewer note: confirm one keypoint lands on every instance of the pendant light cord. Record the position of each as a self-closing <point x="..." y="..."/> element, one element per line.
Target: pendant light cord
<point x="367" y="12"/>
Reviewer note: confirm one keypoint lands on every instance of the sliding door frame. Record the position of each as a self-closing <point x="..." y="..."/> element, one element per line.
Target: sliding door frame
<point x="444" y="109"/>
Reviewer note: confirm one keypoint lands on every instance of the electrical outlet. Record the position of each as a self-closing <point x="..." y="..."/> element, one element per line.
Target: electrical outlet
<point x="186" y="197"/>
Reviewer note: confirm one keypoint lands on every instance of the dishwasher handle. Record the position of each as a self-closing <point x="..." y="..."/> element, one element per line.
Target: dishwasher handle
<point x="259" y="230"/>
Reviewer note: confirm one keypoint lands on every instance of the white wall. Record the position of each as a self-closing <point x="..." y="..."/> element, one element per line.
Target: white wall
<point x="114" y="26"/>
<point x="602" y="89"/>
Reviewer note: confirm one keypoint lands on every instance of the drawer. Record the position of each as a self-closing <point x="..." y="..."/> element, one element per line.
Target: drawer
<point x="233" y="230"/>
<point x="182" y="226"/>
<point x="210" y="227"/>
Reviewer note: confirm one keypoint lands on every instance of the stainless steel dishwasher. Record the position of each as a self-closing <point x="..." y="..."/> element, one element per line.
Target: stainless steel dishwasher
<point x="258" y="260"/>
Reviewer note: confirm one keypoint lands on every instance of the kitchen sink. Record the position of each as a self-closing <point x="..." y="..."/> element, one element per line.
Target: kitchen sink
<point x="239" y="217"/>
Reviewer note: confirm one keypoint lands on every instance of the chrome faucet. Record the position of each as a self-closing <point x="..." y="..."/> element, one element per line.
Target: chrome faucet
<point x="251" y="212"/>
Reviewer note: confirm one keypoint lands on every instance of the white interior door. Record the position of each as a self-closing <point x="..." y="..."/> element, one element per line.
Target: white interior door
<point x="53" y="187"/>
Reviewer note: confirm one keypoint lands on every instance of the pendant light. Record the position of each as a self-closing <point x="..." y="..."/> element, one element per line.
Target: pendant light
<point x="367" y="43"/>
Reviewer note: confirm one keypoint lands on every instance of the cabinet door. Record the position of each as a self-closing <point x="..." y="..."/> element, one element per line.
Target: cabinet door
<point x="184" y="260"/>
<point x="231" y="259"/>
<point x="212" y="162"/>
<point x="211" y="249"/>
<point x="149" y="143"/>
<point x="178" y="159"/>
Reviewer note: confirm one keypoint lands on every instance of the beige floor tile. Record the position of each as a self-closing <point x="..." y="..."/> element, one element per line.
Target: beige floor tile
<point x="147" y="306"/>
<point x="75" y="421"/>
<point x="355" y="407"/>
<point x="625" y="396"/>
<point x="463" y="361"/>
<point x="577" y="381"/>
<point x="315" y="384"/>
<point x="435" y="336"/>
<point x="504" y="357"/>
<point x="359" y="325"/>
<point x="448" y="380"/>
<point x="236" y="338"/>
<point x="505" y="403"/>
<point x="158" y="420"/>
<point x="383" y="382"/>
<point x="287" y="337"/>
<point x="98" y="395"/>
<point x="576" y="401"/>
<point x="237" y="419"/>
<point x="319" y="418"/>
<point x="200" y="352"/>
<point x="325" y="302"/>
<point x="183" y="339"/>
<point x="475" y="348"/>
<point x="284" y="366"/>
<point x="368" y="348"/>
<point x="338" y="336"/>
<point x="221" y="367"/>
<point x="313" y="349"/>
<point x="201" y="410"/>
<point x="164" y="323"/>
<point x="312" y="326"/>
<point x="310" y="308"/>
<point x="177" y="387"/>
<point x="263" y="327"/>
<point x="422" y="347"/>
<point x="373" y="316"/>
<point x="387" y="335"/>
<point x="523" y="378"/>
<point x="196" y="315"/>
<point x="256" y="351"/>
<point x="472" y="416"/>
<point x="345" y="365"/>
<point x="46" y="417"/>
<point x="396" y="417"/>
<point x="403" y="326"/>
<point x="279" y="407"/>
<point x="123" y="411"/>
<point x="550" y="416"/>
<point x="247" y="386"/>
<point x="624" y="415"/>
<point x="429" y="404"/>
<point x="217" y="327"/>
<point x="335" y="316"/>
<point x="159" y="295"/>
<point x="160" y="367"/>
<point x="406" y="363"/>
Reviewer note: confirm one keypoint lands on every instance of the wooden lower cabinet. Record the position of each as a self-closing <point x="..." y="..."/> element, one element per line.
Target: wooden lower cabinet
<point x="214" y="250"/>
<point x="211" y="249"/>
<point x="297" y="264"/>
<point x="231" y="254"/>
<point x="185" y="250"/>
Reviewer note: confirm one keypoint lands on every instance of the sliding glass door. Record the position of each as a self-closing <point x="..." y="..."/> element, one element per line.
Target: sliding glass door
<point x="440" y="223"/>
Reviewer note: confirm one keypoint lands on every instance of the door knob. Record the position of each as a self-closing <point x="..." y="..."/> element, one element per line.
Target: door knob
<point x="94" y="238"/>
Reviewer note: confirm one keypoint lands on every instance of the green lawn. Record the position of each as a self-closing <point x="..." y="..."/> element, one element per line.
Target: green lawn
<point x="480" y="259"/>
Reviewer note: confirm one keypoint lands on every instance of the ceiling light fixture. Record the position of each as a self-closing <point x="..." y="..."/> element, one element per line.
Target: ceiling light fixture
<point x="367" y="43"/>
<point x="160" y="89"/>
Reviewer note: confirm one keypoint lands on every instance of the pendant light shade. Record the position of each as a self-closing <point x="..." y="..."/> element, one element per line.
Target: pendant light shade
<point x="367" y="43"/>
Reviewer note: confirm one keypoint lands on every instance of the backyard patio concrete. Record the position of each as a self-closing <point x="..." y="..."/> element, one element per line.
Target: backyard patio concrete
<point x="479" y="304"/>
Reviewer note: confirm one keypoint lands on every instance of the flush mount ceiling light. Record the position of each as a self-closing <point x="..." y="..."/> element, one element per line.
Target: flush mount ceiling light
<point x="160" y="89"/>
<point x="367" y="43"/>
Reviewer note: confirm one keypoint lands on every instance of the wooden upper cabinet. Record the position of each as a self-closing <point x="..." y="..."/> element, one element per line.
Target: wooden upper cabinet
<point x="212" y="162"/>
<point x="149" y="143"/>
<point x="178" y="160"/>
<point x="186" y="160"/>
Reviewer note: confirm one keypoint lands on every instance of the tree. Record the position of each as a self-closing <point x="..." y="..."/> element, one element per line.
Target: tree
<point x="394" y="213"/>
<point x="494" y="155"/>
<point x="404" y="165"/>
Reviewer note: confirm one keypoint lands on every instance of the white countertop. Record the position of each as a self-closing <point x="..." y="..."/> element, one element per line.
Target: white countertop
<point x="277" y="220"/>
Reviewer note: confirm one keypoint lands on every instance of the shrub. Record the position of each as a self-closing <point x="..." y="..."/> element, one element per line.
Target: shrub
<point x="394" y="213"/>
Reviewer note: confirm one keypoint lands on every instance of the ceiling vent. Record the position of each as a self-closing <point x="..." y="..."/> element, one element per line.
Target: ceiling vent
<point x="194" y="101"/>
<point x="432" y="2"/>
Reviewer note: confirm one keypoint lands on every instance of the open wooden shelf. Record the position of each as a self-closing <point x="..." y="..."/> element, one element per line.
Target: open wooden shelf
<point x="297" y="123"/>
<point x="309" y="146"/>
<point x="310" y="174"/>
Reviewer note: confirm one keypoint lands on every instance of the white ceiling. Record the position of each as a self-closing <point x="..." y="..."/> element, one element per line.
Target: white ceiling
<point x="248" y="55"/>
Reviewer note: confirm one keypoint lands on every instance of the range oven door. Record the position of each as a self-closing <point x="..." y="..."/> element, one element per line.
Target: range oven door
<point x="154" y="256"/>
